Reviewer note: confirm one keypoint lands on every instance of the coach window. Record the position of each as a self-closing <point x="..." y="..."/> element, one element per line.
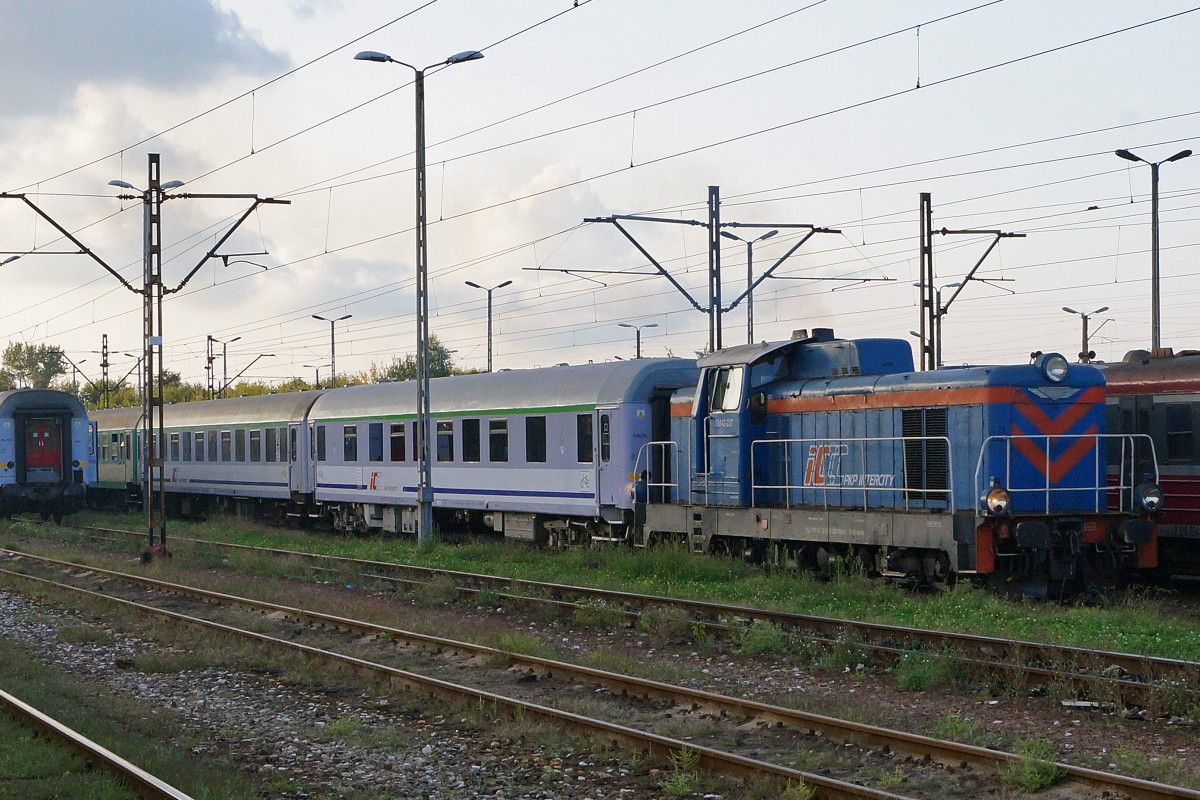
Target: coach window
<point x="445" y="440"/>
<point x="239" y="445"/>
<point x="397" y="441"/>
<point x="497" y="441"/>
<point x="583" y="438"/>
<point x="726" y="389"/>
<point x="213" y="445"/>
<point x="320" y="443"/>
<point x="174" y="447"/>
<point x="375" y="441"/>
<point x="350" y="443"/>
<point x="605" y="437"/>
<point x="272" y="444"/>
<point x="125" y="442"/>
<point x="535" y="440"/>
<point x="293" y="447"/>
<point x="470" y="434"/>
<point x="186" y="441"/>
<point x="256" y="446"/>
<point x="199" y="446"/>
<point x="1180" y="439"/>
<point x="226" y="447"/>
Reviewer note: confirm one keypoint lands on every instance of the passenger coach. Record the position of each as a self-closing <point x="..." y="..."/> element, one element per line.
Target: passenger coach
<point x="46" y="452"/>
<point x="543" y="454"/>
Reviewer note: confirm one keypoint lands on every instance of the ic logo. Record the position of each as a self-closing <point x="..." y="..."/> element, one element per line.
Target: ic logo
<point x="374" y="484"/>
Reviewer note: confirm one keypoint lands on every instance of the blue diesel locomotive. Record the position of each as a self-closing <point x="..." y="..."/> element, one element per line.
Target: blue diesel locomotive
<point x="816" y="448"/>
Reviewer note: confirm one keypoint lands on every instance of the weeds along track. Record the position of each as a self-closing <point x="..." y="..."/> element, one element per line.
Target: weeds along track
<point x="141" y="782"/>
<point x="760" y="726"/>
<point x="1096" y="675"/>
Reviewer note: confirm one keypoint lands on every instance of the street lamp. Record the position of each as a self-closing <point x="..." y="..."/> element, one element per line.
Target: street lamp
<point x="1085" y="355"/>
<point x="1155" y="317"/>
<point x="638" y="329"/>
<point x="317" y="374"/>
<point x="425" y="476"/>
<point x="332" y="346"/>
<point x="489" y="294"/>
<point x="749" y="277"/>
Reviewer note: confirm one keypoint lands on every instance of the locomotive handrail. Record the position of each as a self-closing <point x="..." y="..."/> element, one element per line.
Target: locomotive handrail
<point x="668" y="467"/>
<point x="1127" y="466"/>
<point x="862" y="478"/>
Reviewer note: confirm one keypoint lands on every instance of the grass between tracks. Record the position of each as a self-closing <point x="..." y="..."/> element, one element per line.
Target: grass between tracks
<point x="32" y="768"/>
<point x="1133" y="622"/>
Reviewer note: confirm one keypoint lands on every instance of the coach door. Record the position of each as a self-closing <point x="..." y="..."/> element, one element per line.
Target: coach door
<point x="296" y="482"/>
<point x="609" y="478"/>
<point x="43" y="450"/>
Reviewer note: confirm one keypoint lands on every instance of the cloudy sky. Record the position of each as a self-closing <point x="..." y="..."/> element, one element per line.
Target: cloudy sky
<point x="833" y="113"/>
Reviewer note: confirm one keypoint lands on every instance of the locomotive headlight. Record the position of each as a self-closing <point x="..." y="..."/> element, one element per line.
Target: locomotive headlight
<point x="1149" y="496"/>
<point x="997" y="500"/>
<point x="1054" y="367"/>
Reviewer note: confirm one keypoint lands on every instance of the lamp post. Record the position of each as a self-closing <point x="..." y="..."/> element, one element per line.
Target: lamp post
<point x="489" y="313"/>
<point x="425" y="476"/>
<point x="749" y="277"/>
<point x="332" y="345"/>
<point x="1085" y="355"/>
<point x="1155" y="316"/>
<point x="317" y="374"/>
<point x="638" y="329"/>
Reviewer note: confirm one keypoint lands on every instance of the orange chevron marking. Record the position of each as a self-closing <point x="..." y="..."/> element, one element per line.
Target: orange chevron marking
<point x="1060" y="466"/>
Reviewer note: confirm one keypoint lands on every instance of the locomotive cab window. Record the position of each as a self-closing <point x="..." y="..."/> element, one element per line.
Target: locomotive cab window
<point x="726" y="389"/>
<point x="1181" y="447"/>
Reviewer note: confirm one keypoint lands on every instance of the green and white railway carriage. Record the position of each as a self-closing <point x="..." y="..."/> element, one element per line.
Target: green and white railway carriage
<point x="118" y="458"/>
<point x="544" y="455"/>
<point x="250" y="454"/>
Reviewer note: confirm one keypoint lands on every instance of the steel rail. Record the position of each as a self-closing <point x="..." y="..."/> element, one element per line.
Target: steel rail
<point x="709" y="759"/>
<point x="137" y="779"/>
<point x="1146" y="667"/>
<point x="863" y="735"/>
<point x="1030" y="655"/>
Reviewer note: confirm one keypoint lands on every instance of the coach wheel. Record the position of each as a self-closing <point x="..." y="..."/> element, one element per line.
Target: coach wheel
<point x="58" y="516"/>
<point x="45" y="515"/>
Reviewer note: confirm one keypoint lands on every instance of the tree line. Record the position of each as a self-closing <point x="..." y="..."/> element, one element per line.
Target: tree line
<point x="40" y="366"/>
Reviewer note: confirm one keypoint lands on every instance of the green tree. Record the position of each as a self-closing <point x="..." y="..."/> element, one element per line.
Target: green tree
<point x="403" y="368"/>
<point x="31" y="365"/>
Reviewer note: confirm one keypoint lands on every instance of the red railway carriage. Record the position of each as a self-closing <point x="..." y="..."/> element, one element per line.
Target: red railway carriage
<point x="1160" y="396"/>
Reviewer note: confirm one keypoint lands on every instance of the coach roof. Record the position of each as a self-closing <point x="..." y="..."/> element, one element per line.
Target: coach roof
<point x="585" y="385"/>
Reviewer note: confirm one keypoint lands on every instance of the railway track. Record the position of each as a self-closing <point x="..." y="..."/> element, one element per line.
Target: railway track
<point x="141" y="782"/>
<point x="1110" y="676"/>
<point x="740" y="711"/>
